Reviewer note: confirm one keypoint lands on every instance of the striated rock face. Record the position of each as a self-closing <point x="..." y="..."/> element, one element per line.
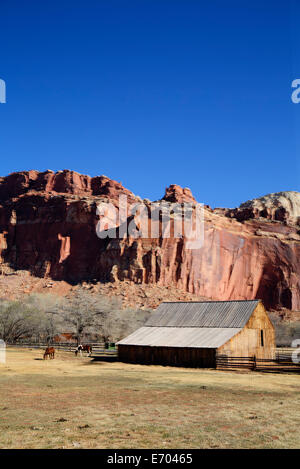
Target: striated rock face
<point x="48" y="226"/>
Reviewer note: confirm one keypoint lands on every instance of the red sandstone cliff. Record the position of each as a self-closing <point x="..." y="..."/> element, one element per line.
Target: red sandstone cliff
<point x="48" y="226"/>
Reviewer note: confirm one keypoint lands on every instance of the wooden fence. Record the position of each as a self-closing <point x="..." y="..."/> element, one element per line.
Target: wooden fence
<point x="98" y="348"/>
<point x="283" y="362"/>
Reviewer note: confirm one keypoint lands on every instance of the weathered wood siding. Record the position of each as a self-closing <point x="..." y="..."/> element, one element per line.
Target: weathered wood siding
<point x="248" y="342"/>
<point x="245" y="343"/>
<point x="172" y="356"/>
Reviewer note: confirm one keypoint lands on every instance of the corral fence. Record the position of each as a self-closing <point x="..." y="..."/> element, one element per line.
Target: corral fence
<point x="284" y="361"/>
<point x="98" y="348"/>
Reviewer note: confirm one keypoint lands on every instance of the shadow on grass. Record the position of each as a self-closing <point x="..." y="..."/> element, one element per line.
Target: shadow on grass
<point x="104" y="359"/>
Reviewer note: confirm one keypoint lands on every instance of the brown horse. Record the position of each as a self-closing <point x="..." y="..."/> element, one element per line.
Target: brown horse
<point x="49" y="352"/>
<point x="83" y="348"/>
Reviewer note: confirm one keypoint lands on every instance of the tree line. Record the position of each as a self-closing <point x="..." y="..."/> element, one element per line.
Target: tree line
<point x="42" y="317"/>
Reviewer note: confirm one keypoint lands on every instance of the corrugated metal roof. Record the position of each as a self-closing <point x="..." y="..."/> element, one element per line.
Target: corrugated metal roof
<point x="215" y="314"/>
<point x="205" y="337"/>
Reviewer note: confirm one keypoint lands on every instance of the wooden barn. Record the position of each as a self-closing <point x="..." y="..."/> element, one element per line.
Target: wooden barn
<point x="193" y="333"/>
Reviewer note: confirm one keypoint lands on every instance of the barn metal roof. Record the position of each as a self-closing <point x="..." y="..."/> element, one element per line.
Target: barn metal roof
<point x="204" y="337"/>
<point x="214" y="314"/>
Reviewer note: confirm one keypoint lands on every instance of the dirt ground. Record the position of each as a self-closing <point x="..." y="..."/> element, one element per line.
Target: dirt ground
<point x="15" y="284"/>
<point x="81" y="403"/>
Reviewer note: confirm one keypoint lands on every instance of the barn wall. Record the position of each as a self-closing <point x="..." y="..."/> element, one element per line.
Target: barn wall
<point x="173" y="356"/>
<point x="248" y="342"/>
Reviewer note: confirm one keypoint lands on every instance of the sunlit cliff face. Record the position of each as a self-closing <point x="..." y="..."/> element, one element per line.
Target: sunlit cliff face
<point x="48" y="226"/>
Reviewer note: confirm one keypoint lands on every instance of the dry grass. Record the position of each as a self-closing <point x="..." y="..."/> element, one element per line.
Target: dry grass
<point x="73" y="403"/>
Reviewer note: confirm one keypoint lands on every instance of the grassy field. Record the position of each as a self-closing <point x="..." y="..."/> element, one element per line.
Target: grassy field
<point x="80" y="403"/>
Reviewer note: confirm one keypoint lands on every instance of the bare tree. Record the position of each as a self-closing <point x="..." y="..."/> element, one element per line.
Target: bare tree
<point x="41" y="317"/>
<point x="17" y="321"/>
<point x="286" y="331"/>
<point x="33" y="318"/>
<point x="118" y="323"/>
<point x="101" y="316"/>
<point x="47" y="307"/>
<point x="85" y="312"/>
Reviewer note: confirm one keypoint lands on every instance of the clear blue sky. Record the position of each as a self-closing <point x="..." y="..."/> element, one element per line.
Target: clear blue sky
<point x="154" y="92"/>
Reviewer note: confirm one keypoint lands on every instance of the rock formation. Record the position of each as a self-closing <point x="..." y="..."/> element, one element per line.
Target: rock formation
<point x="178" y="194"/>
<point x="48" y="226"/>
<point x="280" y="206"/>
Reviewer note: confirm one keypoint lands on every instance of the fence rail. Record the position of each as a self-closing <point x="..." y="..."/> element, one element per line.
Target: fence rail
<point x="281" y="363"/>
<point x="97" y="348"/>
